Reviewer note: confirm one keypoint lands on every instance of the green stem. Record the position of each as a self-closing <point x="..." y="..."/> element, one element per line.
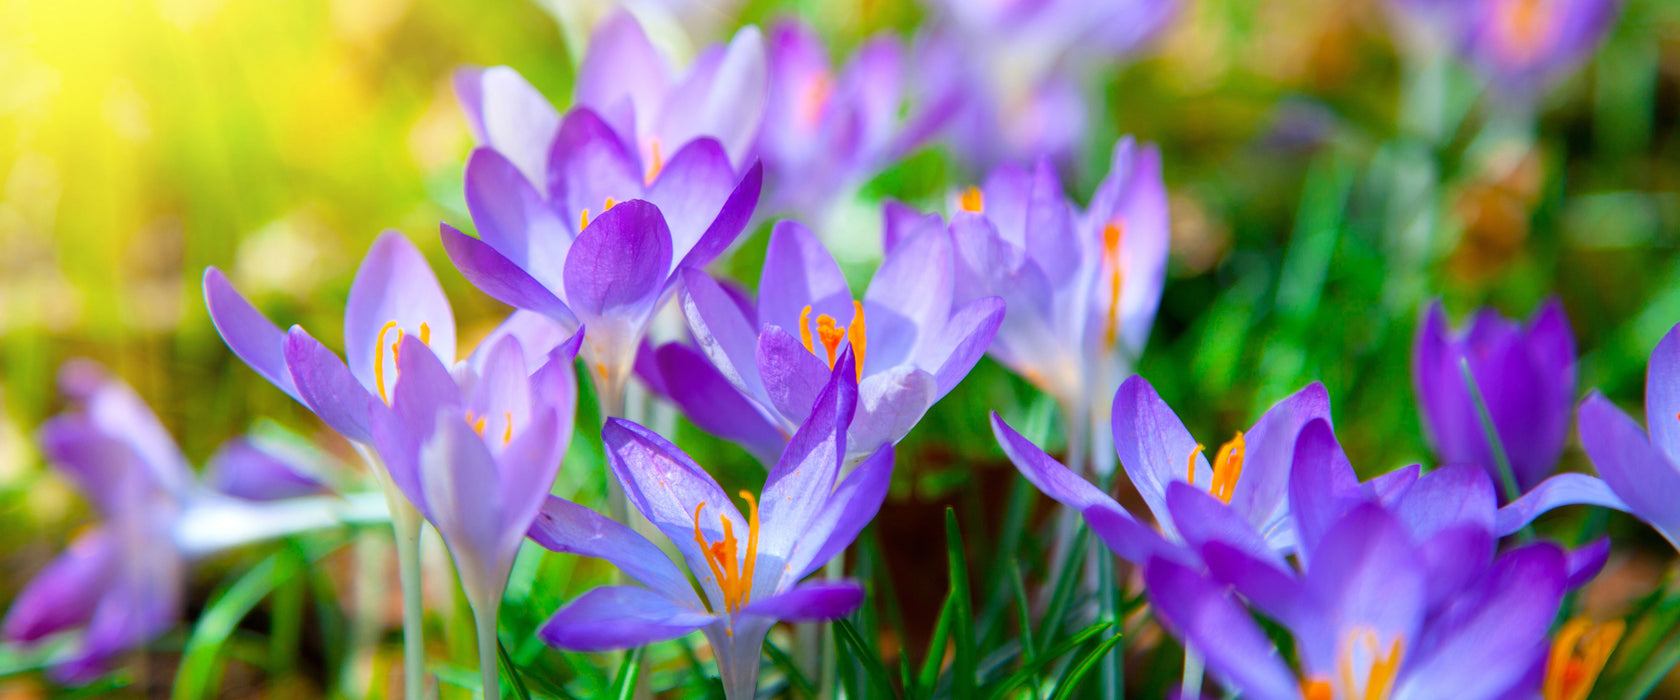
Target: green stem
<point x="1192" y="685"/>
<point x="1507" y="477"/>
<point x="612" y="395"/>
<point x="405" y="523"/>
<point x="484" y="618"/>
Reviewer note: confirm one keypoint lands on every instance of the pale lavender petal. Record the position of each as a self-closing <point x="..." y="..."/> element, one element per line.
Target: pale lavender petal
<point x="517" y="120"/>
<point x="512" y="217"/>
<point x="792" y="376"/>
<point x="1154" y="447"/>
<point x="889" y="405"/>
<point x="500" y="278"/>
<point x="1565" y="489"/>
<point x="722" y="96"/>
<point x="846" y="512"/>
<point x="394" y="283"/>
<point x="525" y="472"/>
<point x="107" y="471"/>
<point x="326" y="386"/>
<point x="564" y="526"/>
<point x="1639" y="474"/>
<point x="622" y="66"/>
<point x="799" y="272"/>
<point x="803" y="479"/>
<point x="538" y="335"/>
<point x="812" y="602"/>
<point x="1051" y="237"/>
<point x="691" y="190"/>
<point x="458" y="478"/>
<point x="115" y="410"/>
<point x="1200" y="518"/>
<point x="620" y="617"/>
<point x="1662" y="395"/>
<point x="1448" y="497"/>
<point x="1322" y="484"/>
<point x="908" y="300"/>
<point x="1583" y="564"/>
<point x="501" y="393"/>
<point x="249" y="334"/>
<point x="723" y="331"/>
<point x="1262" y="494"/>
<point x="1205" y="617"/>
<point x="1366" y="573"/>
<point x="901" y="222"/>
<point x="1275" y="591"/>
<point x="729" y="221"/>
<point x="952" y="354"/>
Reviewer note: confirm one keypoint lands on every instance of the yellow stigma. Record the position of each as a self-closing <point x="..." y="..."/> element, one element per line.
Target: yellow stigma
<point x="1379" y="679"/>
<point x="734" y="575"/>
<point x="379" y="353"/>
<point x="1227" y="467"/>
<point x="1578" y="655"/>
<point x="972" y="200"/>
<point x="830" y="334"/>
<point x="656" y="163"/>
<point x="1113" y="234"/>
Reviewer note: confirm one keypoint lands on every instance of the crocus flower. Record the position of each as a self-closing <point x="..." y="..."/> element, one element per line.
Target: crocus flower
<point x="824" y="133"/>
<point x="808" y="516"/>
<point x="1082" y="287"/>
<point x="1640" y="472"/>
<point x="1522" y="46"/>
<point x="119" y="584"/>
<point x="912" y="342"/>
<point x="1023" y="65"/>
<point x="1526" y="373"/>
<point x="1249" y="474"/>
<point x="626" y="87"/>
<point x="580" y="253"/>
<point x="1360" y="617"/>
<point x="476" y="452"/>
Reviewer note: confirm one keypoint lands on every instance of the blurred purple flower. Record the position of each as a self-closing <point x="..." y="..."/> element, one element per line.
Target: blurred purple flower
<point x="809" y="516"/>
<point x="119" y="584"/>
<point x="824" y="134"/>
<point x="913" y="342"/>
<point x="1521" y="46"/>
<point x="1525" y="373"/>
<point x="627" y="88"/>
<point x="1082" y="287"/>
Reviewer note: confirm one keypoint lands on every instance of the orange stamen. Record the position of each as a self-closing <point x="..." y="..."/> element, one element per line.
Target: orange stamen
<point x="1379" y="679"/>
<point x="805" y="329"/>
<point x="1190" y="472"/>
<point x="752" y="549"/>
<point x="425" y="334"/>
<point x="830" y="335"/>
<point x="656" y="163"/>
<point x="1578" y="655"/>
<point x="583" y="221"/>
<point x="1113" y="234"/>
<point x="477" y="425"/>
<point x="609" y="204"/>
<point x="972" y="200"/>
<point x="1227" y="467"/>
<point x="705" y="549"/>
<point x="507" y="433"/>
<point x="857" y="335"/>
<point x="1317" y="689"/>
<point x="379" y="360"/>
<point x="733" y="574"/>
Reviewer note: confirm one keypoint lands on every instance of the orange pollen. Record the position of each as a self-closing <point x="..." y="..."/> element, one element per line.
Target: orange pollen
<point x="1113" y="234"/>
<point x="857" y="334"/>
<point x="734" y="575"/>
<point x="1227" y="467"/>
<point x="815" y="98"/>
<point x="1317" y="689"/>
<point x="830" y="333"/>
<point x="379" y="353"/>
<point x="1578" y="655"/>
<point x="1379" y="680"/>
<point x="507" y="433"/>
<point x="477" y="425"/>
<point x="1525" y="23"/>
<point x="656" y="163"/>
<point x="972" y="200"/>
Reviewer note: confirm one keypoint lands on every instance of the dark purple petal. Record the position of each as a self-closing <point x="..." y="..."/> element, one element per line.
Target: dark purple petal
<point x="566" y="527"/>
<point x="618" y="266"/>
<point x="1453" y="496"/>
<point x="65" y="594"/>
<point x="588" y="164"/>
<point x="714" y="405"/>
<point x="1200" y="518"/>
<point x="1662" y="395"/>
<point x="803" y="479"/>
<point x="394" y="283"/>
<point x="1154" y="447"/>
<point x="620" y="617"/>
<point x="1584" y="563"/>
<point x="799" y="272"/>
<point x="512" y="217"/>
<point x="249" y="334"/>
<point x="245" y="469"/>
<point x="1453" y="558"/>
<point x="1639" y="474"/>
<point x="852" y="505"/>
<point x="500" y="278"/>
<point x="326" y="386"/>
<point x="1275" y="591"/>
<point x="812" y="602"/>
<point x="723" y="331"/>
<point x="792" y="375"/>
<point x="1205" y="617"/>
<point x="1322" y="485"/>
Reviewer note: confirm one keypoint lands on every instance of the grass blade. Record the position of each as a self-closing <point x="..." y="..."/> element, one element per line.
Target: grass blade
<point x="962" y="627"/>
<point x="1083" y="666"/>
<point x="1023" y="612"/>
<point x="624" y="685"/>
<point x="935" y="656"/>
<point x="200" y="670"/>
<point x="846" y="636"/>
<point x="1067" y="580"/>
<point x="1044" y="660"/>
<point x="511" y="672"/>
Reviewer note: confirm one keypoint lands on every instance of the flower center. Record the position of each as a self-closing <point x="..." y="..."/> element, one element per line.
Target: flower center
<point x="1362" y="645"/>
<point x="583" y="219"/>
<point x="972" y="200"/>
<point x="1578" y="655"/>
<point x="1113" y="235"/>
<point x="1227" y="466"/>
<point x="478" y="424"/>
<point x="829" y="333"/>
<point x="1524" y="24"/>
<point x="379" y="353"/>
<point x="814" y="99"/>
<point x="734" y="576"/>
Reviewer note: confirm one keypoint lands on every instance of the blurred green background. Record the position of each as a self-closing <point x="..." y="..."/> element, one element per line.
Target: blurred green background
<point x="142" y="140"/>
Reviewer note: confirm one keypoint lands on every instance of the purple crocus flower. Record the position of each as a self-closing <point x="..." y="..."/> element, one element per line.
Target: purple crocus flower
<point x="626" y="87"/>
<point x="1640" y="471"/>
<point x="808" y="516"/>
<point x="1361" y="618"/>
<point x="579" y="253"/>
<point x="1522" y="46"/>
<point x="1246" y="481"/>
<point x="1082" y="287"/>
<point x="476" y="452"/>
<point x="1023" y="64"/>
<point x="119" y="584"/>
<point x="913" y="343"/>
<point x="1525" y="372"/>
<point x="825" y="132"/>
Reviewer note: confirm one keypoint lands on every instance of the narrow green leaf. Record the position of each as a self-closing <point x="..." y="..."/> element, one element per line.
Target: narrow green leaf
<point x="934" y="659"/>
<point x="1067" y="581"/>
<point x="962" y="627"/>
<point x="1023" y="612"/>
<point x="1069" y="684"/>
<point x="511" y="672"/>
<point x="624" y="685"/>
<point x="789" y="668"/>
<point x="846" y="635"/>
<point x="200" y="670"/>
<point x="1044" y="660"/>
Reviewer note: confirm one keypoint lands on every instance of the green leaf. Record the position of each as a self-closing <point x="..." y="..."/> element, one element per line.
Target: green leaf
<point x="1067" y="581"/>
<point x="200" y="670"/>
<point x="1023" y="612"/>
<point x="934" y="659"/>
<point x="962" y="628"/>
<point x="790" y="669"/>
<point x="1044" y="660"/>
<point x="511" y="672"/>
<point x="1083" y="667"/>
<point x="846" y="635"/>
<point x="624" y="685"/>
